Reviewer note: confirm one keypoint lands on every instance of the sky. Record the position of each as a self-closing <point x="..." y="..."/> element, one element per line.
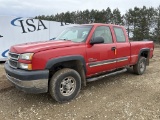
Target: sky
<point x="32" y="8"/>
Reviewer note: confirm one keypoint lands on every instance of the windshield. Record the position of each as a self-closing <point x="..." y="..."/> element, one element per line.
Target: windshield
<point x="75" y="34"/>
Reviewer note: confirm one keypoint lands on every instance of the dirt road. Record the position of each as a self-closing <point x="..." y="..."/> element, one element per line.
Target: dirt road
<point x="124" y="96"/>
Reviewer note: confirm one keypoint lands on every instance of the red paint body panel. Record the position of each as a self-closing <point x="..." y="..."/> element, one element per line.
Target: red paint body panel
<point x="100" y="52"/>
<point x="137" y="46"/>
<point x="40" y="59"/>
<point x="97" y="53"/>
<point x="123" y="50"/>
<point x="41" y="46"/>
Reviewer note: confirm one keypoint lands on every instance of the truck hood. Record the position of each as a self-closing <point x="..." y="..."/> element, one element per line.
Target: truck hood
<point x="41" y="46"/>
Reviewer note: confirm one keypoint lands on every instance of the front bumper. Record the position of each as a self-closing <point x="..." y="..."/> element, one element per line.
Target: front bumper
<point x="28" y="81"/>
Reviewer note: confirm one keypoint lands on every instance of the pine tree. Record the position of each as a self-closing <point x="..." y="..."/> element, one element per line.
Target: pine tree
<point x="117" y="19"/>
<point x="157" y="28"/>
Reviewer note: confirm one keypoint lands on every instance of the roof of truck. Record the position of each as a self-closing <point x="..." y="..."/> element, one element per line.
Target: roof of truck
<point x="102" y="24"/>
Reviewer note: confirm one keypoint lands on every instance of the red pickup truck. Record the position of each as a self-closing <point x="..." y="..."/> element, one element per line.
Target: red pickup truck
<point x="78" y="55"/>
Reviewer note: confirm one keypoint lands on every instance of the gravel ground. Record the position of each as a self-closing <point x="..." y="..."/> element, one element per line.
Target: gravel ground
<point x="124" y="96"/>
<point x="4" y="84"/>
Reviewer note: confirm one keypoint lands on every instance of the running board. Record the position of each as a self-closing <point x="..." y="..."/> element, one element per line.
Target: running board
<point x="106" y="75"/>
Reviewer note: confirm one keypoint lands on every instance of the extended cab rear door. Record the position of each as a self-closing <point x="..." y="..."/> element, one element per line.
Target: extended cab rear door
<point x="122" y="47"/>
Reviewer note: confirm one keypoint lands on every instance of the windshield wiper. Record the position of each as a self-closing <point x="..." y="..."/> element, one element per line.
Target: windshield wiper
<point x="65" y="39"/>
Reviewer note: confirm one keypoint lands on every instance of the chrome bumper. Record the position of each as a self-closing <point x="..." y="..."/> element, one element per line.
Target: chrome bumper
<point x="28" y="81"/>
<point x="33" y="86"/>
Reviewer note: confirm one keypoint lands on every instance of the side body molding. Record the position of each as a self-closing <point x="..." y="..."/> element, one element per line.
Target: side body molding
<point x="54" y="61"/>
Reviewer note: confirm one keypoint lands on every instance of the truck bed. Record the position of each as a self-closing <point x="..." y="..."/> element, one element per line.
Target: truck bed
<point x="136" y="46"/>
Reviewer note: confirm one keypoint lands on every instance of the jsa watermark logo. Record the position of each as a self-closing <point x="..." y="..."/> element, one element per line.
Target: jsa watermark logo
<point x="5" y="53"/>
<point x="28" y="25"/>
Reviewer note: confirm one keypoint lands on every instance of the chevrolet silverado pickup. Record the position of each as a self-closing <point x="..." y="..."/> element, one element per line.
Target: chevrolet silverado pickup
<point x="78" y="55"/>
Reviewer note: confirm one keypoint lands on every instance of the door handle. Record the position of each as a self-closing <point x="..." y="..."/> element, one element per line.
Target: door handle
<point x="1" y="36"/>
<point x="113" y="48"/>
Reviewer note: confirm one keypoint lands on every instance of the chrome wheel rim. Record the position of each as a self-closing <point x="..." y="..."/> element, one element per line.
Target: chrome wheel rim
<point x="142" y="66"/>
<point x="67" y="86"/>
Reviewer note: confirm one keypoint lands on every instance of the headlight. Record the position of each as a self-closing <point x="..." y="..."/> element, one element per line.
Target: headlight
<point x="26" y="56"/>
<point x="25" y="66"/>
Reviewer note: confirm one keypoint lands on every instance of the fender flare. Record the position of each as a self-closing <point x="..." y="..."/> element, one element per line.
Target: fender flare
<point x="54" y="61"/>
<point x="144" y="50"/>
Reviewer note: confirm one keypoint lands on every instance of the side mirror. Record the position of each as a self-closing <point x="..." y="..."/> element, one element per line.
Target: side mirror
<point x="97" y="40"/>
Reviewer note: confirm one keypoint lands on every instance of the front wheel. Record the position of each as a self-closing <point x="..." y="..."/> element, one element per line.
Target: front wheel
<point x="65" y="85"/>
<point x="140" y="67"/>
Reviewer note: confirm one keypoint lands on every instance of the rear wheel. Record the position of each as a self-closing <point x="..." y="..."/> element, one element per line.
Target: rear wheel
<point x="65" y="85"/>
<point x="140" y="67"/>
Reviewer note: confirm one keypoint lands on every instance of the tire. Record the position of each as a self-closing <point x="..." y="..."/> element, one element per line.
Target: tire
<point x="140" y="67"/>
<point x="65" y="85"/>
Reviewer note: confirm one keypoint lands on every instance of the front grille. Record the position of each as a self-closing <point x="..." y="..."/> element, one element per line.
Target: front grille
<point x="13" y="56"/>
<point x="13" y="63"/>
<point x="13" y="59"/>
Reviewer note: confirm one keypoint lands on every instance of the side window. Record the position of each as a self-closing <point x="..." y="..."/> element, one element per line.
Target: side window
<point x="103" y="31"/>
<point x="120" y="37"/>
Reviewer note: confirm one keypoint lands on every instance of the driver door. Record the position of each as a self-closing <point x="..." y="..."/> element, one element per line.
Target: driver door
<point x="101" y="57"/>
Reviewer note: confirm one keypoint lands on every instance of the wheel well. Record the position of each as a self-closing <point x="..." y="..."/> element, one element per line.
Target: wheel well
<point x="144" y="54"/>
<point x="73" y="64"/>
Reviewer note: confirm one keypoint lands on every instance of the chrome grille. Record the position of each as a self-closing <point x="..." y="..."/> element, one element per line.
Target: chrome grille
<point x="13" y="59"/>
<point x="13" y="56"/>
<point x="13" y="63"/>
